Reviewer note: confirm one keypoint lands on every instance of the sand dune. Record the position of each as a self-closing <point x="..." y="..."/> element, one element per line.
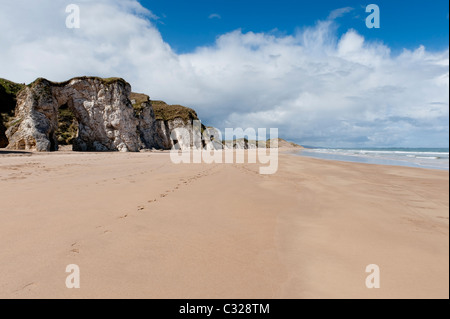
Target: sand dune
<point x="139" y="226"/>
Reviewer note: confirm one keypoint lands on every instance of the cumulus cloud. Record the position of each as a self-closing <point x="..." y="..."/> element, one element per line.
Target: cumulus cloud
<point x="317" y="88"/>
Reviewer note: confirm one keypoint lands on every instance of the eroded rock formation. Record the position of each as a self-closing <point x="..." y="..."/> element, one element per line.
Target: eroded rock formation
<point x="106" y="118"/>
<point x="3" y="139"/>
<point x="146" y="121"/>
<point x="95" y="114"/>
<point x="8" y="92"/>
<point x="175" y="119"/>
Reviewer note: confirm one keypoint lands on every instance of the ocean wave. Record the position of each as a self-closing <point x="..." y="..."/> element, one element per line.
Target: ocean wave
<point x="418" y="158"/>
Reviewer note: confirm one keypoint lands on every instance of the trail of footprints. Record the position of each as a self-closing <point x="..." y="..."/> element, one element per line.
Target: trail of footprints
<point x="182" y="182"/>
<point x="27" y="287"/>
<point x="248" y="171"/>
<point x="18" y="172"/>
<point x="106" y="181"/>
<point x="75" y="248"/>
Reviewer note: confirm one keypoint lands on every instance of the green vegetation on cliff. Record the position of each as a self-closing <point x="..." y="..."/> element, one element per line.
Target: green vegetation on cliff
<point x="67" y="126"/>
<point x="166" y="112"/>
<point x="138" y="100"/>
<point x="11" y="87"/>
<point x="103" y="80"/>
<point x="3" y="139"/>
<point x="8" y="94"/>
<point x="8" y="100"/>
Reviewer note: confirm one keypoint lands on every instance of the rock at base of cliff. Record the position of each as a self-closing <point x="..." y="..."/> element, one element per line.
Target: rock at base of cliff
<point x="3" y="138"/>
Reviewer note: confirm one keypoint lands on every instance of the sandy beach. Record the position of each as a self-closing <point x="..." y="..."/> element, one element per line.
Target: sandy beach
<point x="139" y="226"/>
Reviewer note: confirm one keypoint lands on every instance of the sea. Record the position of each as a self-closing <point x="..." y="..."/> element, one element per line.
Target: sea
<point x="431" y="158"/>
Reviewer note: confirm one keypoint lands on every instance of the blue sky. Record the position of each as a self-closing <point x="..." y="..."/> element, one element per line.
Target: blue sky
<point x="320" y="77"/>
<point x="186" y="25"/>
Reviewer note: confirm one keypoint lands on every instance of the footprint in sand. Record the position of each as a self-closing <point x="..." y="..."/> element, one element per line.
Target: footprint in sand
<point x="124" y="216"/>
<point x="27" y="287"/>
<point x="103" y="230"/>
<point x="75" y="249"/>
<point x="140" y="208"/>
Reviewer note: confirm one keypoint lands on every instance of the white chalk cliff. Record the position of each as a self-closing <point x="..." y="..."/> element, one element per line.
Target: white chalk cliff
<point x="105" y="115"/>
<point x="109" y="117"/>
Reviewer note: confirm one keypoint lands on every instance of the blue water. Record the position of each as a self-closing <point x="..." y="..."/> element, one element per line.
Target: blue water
<point x="433" y="158"/>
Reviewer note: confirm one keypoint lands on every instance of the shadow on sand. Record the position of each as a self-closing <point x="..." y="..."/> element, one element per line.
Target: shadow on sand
<point x="9" y="152"/>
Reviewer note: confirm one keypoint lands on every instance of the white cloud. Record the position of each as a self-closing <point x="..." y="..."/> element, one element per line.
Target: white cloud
<point x="215" y="16"/>
<point x="337" y="13"/>
<point x="317" y="88"/>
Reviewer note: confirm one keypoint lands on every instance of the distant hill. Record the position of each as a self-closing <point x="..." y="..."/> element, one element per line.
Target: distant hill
<point x="283" y="144"/>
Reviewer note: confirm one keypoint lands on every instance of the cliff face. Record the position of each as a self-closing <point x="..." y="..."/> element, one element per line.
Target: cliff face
<point x="95" y="114"/>
<point x="105" y="116"/>
<point x="168" y="119"/>
<point x="146" y="120"/>
<point x="3" y="139"/>
<point x="8" y="93"/>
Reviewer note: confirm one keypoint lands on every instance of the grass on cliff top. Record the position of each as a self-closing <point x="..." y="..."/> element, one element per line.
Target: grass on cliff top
<point x="10" y="87"/>
<point x="166" y="112"/>
<point x="138" y="100"/>
<point x="105" y="81"/>
<point x="8" y="93"/>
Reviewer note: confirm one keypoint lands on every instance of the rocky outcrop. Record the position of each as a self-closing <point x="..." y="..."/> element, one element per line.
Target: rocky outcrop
<point x="212" y="139"/>
<point x="105" y="116"/>
<point x="95" y="114"/>
<point x="8" y="93"/>
<point x="244" y="144"/>
<point x="177" y="120"/>
<point x="145" y="115"/>
<point x="3" y="139"/>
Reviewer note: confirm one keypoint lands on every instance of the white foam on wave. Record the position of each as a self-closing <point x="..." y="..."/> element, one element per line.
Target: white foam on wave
<point x="419" y="158"/>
